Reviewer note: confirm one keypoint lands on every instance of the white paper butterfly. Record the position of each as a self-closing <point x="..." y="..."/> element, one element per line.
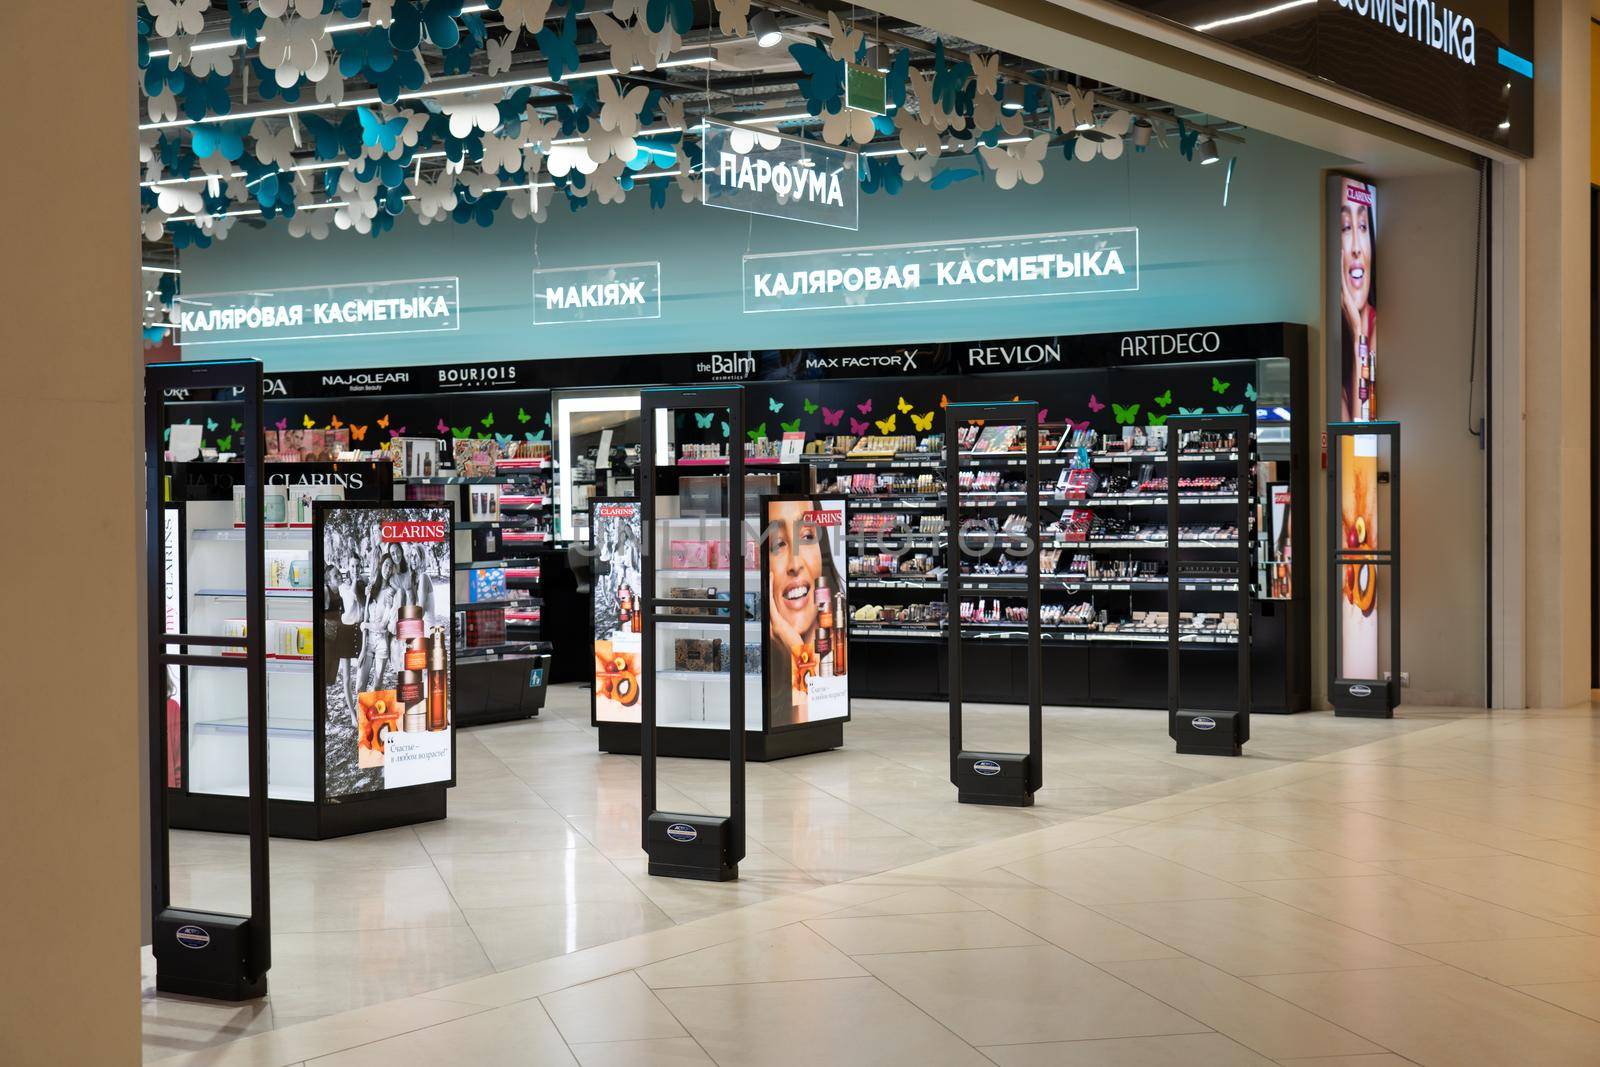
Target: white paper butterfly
<point x="919" y="167"/>
<point x="275" y="147"/>
<point x="178" y="16"/>
<point x="162" y="107"/>
<point x="913" y="133"/>
<point x="180" y="52"/>
<point x="153" y="224"/>
<point x="688" y="181"/>
<point x="382" y="11"/>
<point x="847" y="122"/>
<point x="1079" y="112"/>
<point x="986" y="73"/>
<point x="605" y="183"/>
<point x="540" y="133"/>
<point x="310" y="222"/>
<point x="478" y="183"/>
<point x="845" y="43"/>
<point x="212" y="61"/>
<point x="604" y="144"/>
<point x="330" y="87"/>
<point x="499" y="53"/>
<point x="672" y="115"/>
<point x="147" y="149"/>
<point x="472" y="111"/>
<point x="179" y="199"/>
<point x="986" y="111"/>
<point x="216" y="226"/>
<point x="619" y="111"/>
<point x="742" y="139"/>
<point x="733" y="17"/>
<point x="623" y="10"/>
<point x="530" y="203"/>
<point x="1105" y="139"/>
<point x="662" y="45"/>
<point x="501" y="153"/>
<point x="435" y="199"/>
<point x="630" y="45"/>
<point x="296" y="48"/>
<point x="563" y="159"/>
<point x="1019" y="162"/>
<point x="524" y="14"/>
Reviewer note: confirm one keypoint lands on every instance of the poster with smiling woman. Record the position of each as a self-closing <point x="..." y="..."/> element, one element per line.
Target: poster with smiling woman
<point x="1356" y="220"/>
<point x="803" y="588"/>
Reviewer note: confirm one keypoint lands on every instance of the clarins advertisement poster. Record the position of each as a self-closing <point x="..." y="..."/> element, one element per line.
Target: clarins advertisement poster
<point x="1353" y="296"/>
<point x="616" y="530"/>
<point x="807" y="610"/>
<point x="1358" y="583"/>
<point x="385" y="655"/>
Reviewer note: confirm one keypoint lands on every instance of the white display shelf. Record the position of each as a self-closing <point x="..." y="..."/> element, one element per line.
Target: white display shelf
<point x="282" y="726"/>
<point x="703" y="572"/>
<point x="704" y="676"/>
<point x="271" y="594"/>
<point x="233" y="533"/>
<point x="275" y="665"/>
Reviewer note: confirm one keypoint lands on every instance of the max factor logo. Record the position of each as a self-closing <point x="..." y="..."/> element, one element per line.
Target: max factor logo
<point x="728" y="366"/>
<point x="903" y="361"/>
<point x="1199" y="342"/>
<point x="1012" y="355"/>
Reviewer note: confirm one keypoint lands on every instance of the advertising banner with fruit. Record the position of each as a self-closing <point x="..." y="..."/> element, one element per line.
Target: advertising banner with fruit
<point x="384" y="654"/>
<point x="616" y="532"/>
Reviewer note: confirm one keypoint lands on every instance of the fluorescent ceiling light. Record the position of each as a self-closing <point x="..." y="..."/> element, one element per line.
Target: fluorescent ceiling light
<point x="342" y="27"/>
<point x="1248" y="16"/>
<point x="160" y="270"/>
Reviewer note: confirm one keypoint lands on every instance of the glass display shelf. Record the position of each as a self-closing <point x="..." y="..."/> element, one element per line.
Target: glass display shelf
<point x="230" y="533"/>
<point x="272" y="594"/>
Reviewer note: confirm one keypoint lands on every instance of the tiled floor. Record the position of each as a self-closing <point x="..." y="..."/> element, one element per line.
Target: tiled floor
<point x="1424" y="890"/>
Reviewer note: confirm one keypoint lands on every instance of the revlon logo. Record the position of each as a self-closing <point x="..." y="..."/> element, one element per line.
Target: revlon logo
<point x="1013" y="355"/>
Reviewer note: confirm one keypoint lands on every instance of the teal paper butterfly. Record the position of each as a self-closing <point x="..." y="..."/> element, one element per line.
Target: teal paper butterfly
<point x="375" y="133"/>
<point x="225" y="139"/>
<point x="211" y="425"/>
<point x="704" y="420"/>
<point x="727" y="430"/>
<point x="535" y="436"/>
<point x="1187" y="139"/>
<point x="1125" y="415"/>
<point x="822" y="81"/>
<point x="1237" y="409"/>
<point x="1250" y="392"/>
<point x="681" y="12"/>
<point x="774" y="405"/>
<point x="561" y="49"/>
<point x="1191" y="411"/>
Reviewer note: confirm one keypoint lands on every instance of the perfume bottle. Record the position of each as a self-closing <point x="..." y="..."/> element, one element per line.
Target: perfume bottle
<point x="625" y="608"/>
<point x="438" y="704"/>
<point x="413" y="708"/>
<point x="824" y="639"/>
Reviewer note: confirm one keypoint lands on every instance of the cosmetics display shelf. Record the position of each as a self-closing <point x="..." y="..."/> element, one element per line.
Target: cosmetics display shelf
<point x="278" y="726"/>
<point x="1014" y="632"/>
<point x="234" y="533"/>
<point x="494" y="652"/>
<point x="490" y="564"/>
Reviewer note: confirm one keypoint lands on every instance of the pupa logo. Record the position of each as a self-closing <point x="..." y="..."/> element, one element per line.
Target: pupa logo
<point x="1203" y="722"/>
<point x="194" y="937"/>
<point x="986" y="767"/>
<point x="1359" y="690"/>
<point x="274" y="387"/>
<point x="682" y="832"/>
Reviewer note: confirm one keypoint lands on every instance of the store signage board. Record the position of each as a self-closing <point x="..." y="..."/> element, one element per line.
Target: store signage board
<point x="866" y="90"/>
<point x="763" y="173"/>
<point x="1082" y="263"/>
<point x="319" y="312"/>
<point x="1465" y="64"/>
<point x="605" y="293"/>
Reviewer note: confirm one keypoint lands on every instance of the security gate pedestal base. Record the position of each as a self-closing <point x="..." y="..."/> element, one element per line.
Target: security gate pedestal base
<point x="1211" y="733"/>
<point x="205" y="954"/>
<point x="993" y="778"/>
<point x="1362" y="700"/>
<point x="690" y="846"/>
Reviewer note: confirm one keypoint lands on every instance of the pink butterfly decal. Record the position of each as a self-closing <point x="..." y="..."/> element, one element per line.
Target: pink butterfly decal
<point x="443" y="427"/>
<point x="283" y="424"/>
<point x="1042" y="413"/>
<point x="830" y="417"/>
<point x="1077" y="427"/>
<point x="865" y="408"/>
<point x="398" y="433"/>
<point x="1095" y="405"/>
<point x="858" y="427"/>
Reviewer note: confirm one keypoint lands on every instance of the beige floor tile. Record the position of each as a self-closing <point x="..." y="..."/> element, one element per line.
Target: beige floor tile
<point x="515" y="936"/>
<point x="662" y="1052"/>
<point x="1533" y="886"/>
<point x="1085" y="933"/>
<point x="1403" y="910"/>
<point x="1255" y="935"/>
<point x="1539" y="816"/>
<point x="1579" y="857"/>
<point x="762" y="876"/>
<point x="618" y="1008"/>
<point x="850" y="1022"/>
<point x="524" y="831"/>
<point x="326" y="899"/>
<point x="1265" y="866"/>
<point x="831" y="857"/>
<point x="520" y="1033"/>
<point x="1178" y="1050"/>
<point x="1024" y="994"/>
<point x="1377" y="1059"/>
<point x="515" y="879"/>
<point x="1525" y="961"/>
<point x="1441" y="1015"/>
<point x="318" y="974"/>
<point x="1118" y="875"/>
<point x="920" y="933"/>
<point x="787" y="954"/>
<point x="926" y="901"/>
<point x="1358" y="836"/>
<point x="1182" y="842"/>
<point x="1580" y="997"/>
<point x="1589" y="924"/>
<point x="1254" y="1018"/>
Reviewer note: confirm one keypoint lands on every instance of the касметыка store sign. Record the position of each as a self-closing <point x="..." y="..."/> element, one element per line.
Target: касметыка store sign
<point x="319" y="312"/>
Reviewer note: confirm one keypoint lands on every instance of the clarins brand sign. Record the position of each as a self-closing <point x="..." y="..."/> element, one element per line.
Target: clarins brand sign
<point x="1079" y="263"/>
<point x="1465" y="64"/>
<point x="319" y="312"/>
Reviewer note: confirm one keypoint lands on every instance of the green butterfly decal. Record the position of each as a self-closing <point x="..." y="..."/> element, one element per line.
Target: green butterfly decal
<point x="211" y="426"/>
<point x="462" y="434"/>
<point x="811" y="409"/>
<point x="1191" y="411"/>
<point x="759" y="433"/>
<point x="225" y="444"/>
<point x="1218" y="385"/>
<point x="488" y="421"/>
<point x="1237" y="409"/>
<point x="535" y="436"/>
<point x="523" y="417"/>
<point x="234" y="425"/>
<point x="1125" y="415"/>
<point x="726" y="430"/>
<point x="1250" y="392"/>
<point x="792" y="426"/>
<point x="1157" y="420"/>
<point x="1163" y="400"/>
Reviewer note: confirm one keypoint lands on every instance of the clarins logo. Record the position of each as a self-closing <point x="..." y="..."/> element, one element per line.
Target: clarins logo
<point x="353" y="480"/>
<point x="414" y="531"/>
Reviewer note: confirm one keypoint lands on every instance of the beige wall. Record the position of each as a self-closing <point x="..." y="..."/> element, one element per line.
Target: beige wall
<point x="69" y="764"/>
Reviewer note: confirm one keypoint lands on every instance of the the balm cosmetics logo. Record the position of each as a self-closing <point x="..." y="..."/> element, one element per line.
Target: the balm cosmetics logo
<point x="616" y="511"/>
<point x="402" y="532"/>
<point x="741" y="365"/>
<point x="682" y="832"/>
<point x="1359" y="690"/>
<point x="366" y="383"/>
<point x="822" y="518"/>
<point x="193" y="937"/>
<point x="1140" y="346"/>
<point x="1013" y="355"/>
<point x="1203" y="722"/>
<point x="493" y="375"/>
<point x="986" y="767"/>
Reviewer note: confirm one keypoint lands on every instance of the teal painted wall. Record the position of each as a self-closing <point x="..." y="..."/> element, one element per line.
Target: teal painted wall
<point x="1254" y="260"/>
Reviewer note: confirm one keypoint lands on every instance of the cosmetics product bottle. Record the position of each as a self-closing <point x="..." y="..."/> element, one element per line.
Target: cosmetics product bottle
<point x="438" y="709"/>
<point x="625" y="608"/>
<point x="409" y="693"/>
<point x="824" y="639"/>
